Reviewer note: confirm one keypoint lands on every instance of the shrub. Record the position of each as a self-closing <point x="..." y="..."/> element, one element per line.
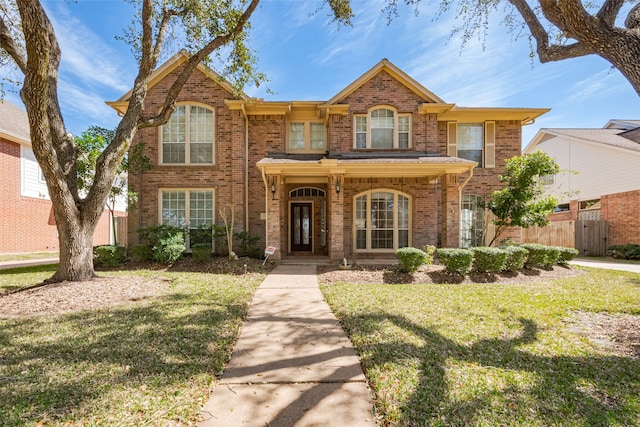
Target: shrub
<point x="411" y="259"/>
<point x="566" y="254"/>
<point x="489" y="260"/>
<point x="456" y="260"/>
<point x="516" y="258"/>
<point x="201" y="235"/>
<point x="430" y="251"/>
<point x="166" y="242"/>
<point x="141" y="253"/>
<point x="248" y="243"/>
<point x="109" y="256"/>
<point x="201" y="251"/>
<point x="541" y="256"/>
<point x="628" y="251"/>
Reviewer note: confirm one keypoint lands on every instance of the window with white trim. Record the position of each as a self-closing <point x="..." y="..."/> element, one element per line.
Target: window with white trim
<point x="471" y="221"/>
<point x="382" y="220"/>
<point x="307" y="137"/>
<point x="187" y="209"/>
<point x="188" y="136"/>
<point x="470" y="141"/>
<point x="382" y="128"/>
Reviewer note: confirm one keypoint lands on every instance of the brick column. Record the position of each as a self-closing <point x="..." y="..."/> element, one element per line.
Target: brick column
<point x="450" y="218"/>
<point x="275" y="215"/>
<point x="335" y="202"/>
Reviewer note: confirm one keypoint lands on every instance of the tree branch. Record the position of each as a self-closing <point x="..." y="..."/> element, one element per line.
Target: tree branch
<point x="547" y="52"/>
<point x="169" y="104"/>
<point x="11" y="47"/>
<point x="609" y="11"/>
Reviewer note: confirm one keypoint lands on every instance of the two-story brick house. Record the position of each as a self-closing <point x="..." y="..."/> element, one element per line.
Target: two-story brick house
<point x="383" y="164"/>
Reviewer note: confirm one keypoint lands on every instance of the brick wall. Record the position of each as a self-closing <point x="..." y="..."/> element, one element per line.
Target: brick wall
<point x="620" y="210"/>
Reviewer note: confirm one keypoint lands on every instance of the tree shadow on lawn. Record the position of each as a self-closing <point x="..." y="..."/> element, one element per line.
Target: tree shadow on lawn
<point x="596" y="390"/>
<point x="73" y="365"/>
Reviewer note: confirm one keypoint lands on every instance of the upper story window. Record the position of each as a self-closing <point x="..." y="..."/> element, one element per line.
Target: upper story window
<point x="382" y="128"/>
<point x="188" y="136"/>
<point x="473" y="141"/>
<point x="306" y="136"/>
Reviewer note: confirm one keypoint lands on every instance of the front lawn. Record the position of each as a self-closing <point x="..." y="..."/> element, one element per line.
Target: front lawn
<point x="147" y="362"/>
<point x="495" y="354"/>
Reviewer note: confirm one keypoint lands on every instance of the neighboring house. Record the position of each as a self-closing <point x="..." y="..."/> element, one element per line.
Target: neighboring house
<point x="27" y="223"/>
<point x="383" y="164"/>
<point x="600" y="178"/>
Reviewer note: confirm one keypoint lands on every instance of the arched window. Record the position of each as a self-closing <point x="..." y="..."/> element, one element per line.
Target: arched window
<point x="306" y="192"/>
<point x="188" y="136"/>
<point x="382" y="220"/>
<point x="471" y="221"/>
<point x="382" y="128"/>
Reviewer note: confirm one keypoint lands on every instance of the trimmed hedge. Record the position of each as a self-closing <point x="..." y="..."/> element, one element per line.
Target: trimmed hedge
<point x="456" y="260"/>
<point x="628" y="251"/>
<point x="516" y="258"/>
<point x="541" y="256"/>
<point x="201" y="252"/>
<point x="411" y="259"/>
<point x="488" y="260"/>
<point x="109" y="256"/>
<point x="141" y="253"/>
<point x="566" y="254"/>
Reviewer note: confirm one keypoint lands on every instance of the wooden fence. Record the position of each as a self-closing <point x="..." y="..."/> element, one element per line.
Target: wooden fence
<point x="121" y="230"/>
<point x="589" y="237"/>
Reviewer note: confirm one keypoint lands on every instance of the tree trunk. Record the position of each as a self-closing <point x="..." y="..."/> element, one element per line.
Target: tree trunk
<point x="76" y="254"/>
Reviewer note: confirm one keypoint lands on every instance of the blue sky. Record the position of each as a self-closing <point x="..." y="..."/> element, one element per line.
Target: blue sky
<point x="308" y="58"/>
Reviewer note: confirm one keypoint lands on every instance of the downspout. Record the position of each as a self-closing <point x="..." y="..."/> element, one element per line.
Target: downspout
<point x="246" y="169"/>
<point x="460" y="187"/>
<point x="266" y="204"/>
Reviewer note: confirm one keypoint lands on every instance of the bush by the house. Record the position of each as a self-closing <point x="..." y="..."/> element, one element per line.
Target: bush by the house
<point x="201" y="252"/>
<point x="541" y="255"/>
<point x="411" y="259"/>
<point x="248" y="243"/>
<point x="516" y="258"/>
<point x="430" y="250"/>
<point x="628" y="251"/>
<point x="566" y="254"/>
<point x="141" y="253"/>
<point x="166" y="242"/>
<point x="109" y="256"/>
<point x="456" y="260"/>
<point x="488" y="260"/>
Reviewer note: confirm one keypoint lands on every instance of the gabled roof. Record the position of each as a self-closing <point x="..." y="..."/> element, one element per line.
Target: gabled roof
<point x="610" y="137"/>
<point x="14" y="123"/>
<point x="395" y="72"/>
<point x="165" y="69"/>
<point x="622" y="124"/>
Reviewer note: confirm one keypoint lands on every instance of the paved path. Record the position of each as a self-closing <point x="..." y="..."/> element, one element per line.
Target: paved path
<point x="293" y="365"/>
<point x="28" y="263"/>
<point x="635" y="268"/>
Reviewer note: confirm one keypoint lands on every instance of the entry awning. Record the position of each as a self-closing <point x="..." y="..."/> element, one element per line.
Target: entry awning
<point x="318" y="168"/>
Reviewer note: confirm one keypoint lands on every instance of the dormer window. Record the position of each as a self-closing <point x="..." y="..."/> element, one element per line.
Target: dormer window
<point x="382" y="128"/>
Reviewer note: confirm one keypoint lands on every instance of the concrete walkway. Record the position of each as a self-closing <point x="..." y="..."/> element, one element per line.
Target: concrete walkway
<point x="621" y="266"/>
<point x="4" y="265"/>
<point x="293" y="365"/>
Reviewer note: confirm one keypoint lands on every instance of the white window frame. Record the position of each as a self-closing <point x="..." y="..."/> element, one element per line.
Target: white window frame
<point x="187" y="192"/>
<point x="368" y="229"/>
<point x="307" y="136"/>
<point x="475" y="221"/>
<point x="482" y="141"/>
<point x="396" y="132"/>
<point x="187" y="151"/>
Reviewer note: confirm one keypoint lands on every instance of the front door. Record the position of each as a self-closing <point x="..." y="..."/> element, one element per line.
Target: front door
<point x="301" y="227"/>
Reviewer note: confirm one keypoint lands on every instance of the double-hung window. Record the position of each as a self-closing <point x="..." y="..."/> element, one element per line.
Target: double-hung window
<point x="470" y="141"/>
<point x="306" y="137"/>
<point x="187" y="209"/>
<point x="382" y="128"/>
<point x="473" y="141"/>
<point x="382" y="220"/>
<point x="188" y="136"/>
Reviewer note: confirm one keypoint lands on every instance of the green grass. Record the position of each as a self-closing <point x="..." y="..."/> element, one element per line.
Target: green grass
<point x="492" y="354"/>
<point x="27" y="256"/>
<point x="15" y="278"/>
<point x="146" y="363"/>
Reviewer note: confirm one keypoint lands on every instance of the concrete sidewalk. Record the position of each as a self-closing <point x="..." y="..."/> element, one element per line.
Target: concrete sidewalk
<point x="293" y="365"/>
<point x="4" y="265"/>
<point x="594" y="263"/>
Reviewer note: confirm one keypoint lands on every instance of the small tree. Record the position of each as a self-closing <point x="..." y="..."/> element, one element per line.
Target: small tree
<point x="522" y="202"/>
<point x="228" y="226"/>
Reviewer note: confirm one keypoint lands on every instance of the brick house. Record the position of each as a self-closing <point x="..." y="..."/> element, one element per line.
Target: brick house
<point x="27" y="223"/>
<point x="600" y="178"/>
<point x="383" y="164"/>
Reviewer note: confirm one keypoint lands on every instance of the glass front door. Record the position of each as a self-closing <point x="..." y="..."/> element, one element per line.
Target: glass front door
<point x="301" y="227"/>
